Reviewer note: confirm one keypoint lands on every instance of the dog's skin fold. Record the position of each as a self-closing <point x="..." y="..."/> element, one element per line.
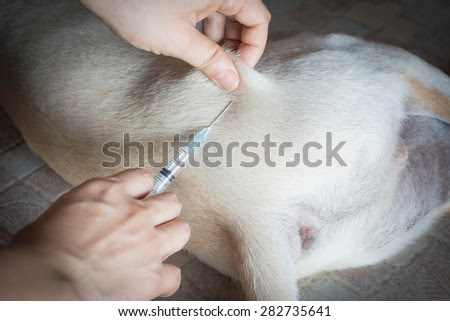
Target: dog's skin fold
<point x="70" y="85"/>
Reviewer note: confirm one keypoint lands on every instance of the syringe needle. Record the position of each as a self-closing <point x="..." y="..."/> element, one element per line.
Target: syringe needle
<point x="201" y="136"/>
<point x="221" y="113"/>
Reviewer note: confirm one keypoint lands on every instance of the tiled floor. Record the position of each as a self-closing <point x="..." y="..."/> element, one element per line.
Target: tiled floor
<point x="28" y="186"/>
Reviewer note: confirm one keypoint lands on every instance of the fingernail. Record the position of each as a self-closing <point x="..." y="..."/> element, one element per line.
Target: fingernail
<point x="228" y="79"/>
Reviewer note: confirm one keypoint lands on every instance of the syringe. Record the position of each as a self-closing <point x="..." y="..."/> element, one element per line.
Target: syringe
<point x="176" y="164"/>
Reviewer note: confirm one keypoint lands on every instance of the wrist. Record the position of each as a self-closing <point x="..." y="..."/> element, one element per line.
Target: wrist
<point x="26" y="274"/>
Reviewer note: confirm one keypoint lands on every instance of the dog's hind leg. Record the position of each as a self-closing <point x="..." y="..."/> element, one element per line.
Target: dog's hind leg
<point x="265" y="264"/>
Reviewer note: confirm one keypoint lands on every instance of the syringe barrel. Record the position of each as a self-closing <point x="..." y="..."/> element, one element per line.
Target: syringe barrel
<point x="169" y="172"/>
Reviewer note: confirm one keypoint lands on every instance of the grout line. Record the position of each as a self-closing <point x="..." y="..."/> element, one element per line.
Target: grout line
<point x="40" y="192"/>
<point x="345" y="284"/>
<point x="7" y="186"/>
<point x="17" y="144"/>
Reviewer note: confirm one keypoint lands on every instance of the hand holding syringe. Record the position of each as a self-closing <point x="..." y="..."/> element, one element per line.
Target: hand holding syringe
<point x="180" y="159"/>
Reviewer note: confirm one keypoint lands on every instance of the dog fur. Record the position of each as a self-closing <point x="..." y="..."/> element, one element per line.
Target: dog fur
<point x="70" y="85"/>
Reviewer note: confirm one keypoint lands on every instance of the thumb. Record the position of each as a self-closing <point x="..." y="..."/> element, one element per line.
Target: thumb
<point x="199" y="51"/>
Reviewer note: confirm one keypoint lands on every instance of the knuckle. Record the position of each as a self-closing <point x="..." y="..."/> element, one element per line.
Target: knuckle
<point x="265" y="13"/>
<point x="111" y="187"/>
<point x="177" y="277"/>
<point x="94" y="185"/>
<point x="144" y="174"/>
<point x="172" y="281"/>
<point x="267" y="16"/>
<point x="173" y="198"/>
<point x="178" y="206"/>
<point x="185" y="226"/>
<point x="94" y="182"/>
<point x="138" y="171"/>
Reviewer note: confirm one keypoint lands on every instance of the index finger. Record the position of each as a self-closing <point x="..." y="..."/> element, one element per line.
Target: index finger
<point x="255" y="18"/>
<point x="164" y="208"/>
<point x="135" y="182"/>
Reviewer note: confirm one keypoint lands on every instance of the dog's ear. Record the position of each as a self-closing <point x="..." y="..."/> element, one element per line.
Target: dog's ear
<point x="428" y="101"/>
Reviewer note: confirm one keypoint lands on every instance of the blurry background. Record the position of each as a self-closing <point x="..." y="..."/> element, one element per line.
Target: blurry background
<point x="422" y="272"/>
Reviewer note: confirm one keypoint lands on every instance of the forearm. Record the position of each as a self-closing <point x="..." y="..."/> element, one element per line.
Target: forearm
<point x="25" y="275"/>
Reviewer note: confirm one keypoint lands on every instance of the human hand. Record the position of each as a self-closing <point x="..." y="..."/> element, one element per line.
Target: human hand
<point x="103" y="241"/>
<point x="168" y="28"/>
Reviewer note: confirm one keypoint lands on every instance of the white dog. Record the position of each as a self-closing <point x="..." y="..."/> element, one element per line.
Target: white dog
<point x="70" y="85"/>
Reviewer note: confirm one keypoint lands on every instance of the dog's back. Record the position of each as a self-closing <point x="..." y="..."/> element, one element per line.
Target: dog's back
<point x="72" y="85"/>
